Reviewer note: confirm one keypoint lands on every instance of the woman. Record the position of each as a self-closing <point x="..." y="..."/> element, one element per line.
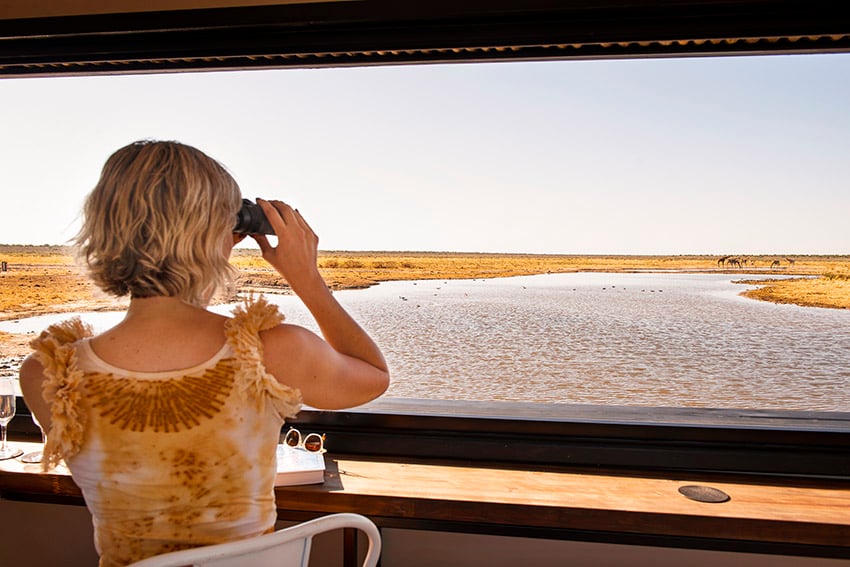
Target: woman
<point x="169" y="421"/>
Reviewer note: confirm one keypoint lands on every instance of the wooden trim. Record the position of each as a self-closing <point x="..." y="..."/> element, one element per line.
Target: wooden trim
<point x="786" y="518"/>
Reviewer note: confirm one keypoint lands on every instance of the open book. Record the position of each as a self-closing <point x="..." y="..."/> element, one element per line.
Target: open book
<point x="297" y="466"/>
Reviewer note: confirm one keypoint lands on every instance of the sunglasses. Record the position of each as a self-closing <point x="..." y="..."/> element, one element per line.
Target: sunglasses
<point x="314" y="443"/>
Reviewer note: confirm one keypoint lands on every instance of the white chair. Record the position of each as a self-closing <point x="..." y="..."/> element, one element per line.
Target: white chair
<point x="289" y="547"/>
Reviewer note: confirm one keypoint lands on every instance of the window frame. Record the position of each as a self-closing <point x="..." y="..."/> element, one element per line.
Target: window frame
<point x="809" y="445"/>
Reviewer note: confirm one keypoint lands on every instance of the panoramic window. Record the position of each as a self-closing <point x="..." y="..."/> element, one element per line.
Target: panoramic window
<point x="665" y="232"/>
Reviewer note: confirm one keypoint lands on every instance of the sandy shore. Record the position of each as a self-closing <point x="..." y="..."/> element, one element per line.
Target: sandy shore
<point x="43" y="279"/>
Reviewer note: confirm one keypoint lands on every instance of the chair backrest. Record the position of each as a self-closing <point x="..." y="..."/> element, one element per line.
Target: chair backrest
<point x="289" y="547"/>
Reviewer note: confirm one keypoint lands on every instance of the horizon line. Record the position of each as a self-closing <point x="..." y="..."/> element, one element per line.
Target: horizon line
<point x="568" y="254"/>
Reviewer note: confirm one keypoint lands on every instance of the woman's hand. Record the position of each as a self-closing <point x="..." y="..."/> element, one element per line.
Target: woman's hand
<point x="296" y="255"/>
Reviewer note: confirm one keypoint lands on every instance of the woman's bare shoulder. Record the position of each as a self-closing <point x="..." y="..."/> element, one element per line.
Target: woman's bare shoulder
<point x="286" y="335"/>
<point x="288" y="347"/>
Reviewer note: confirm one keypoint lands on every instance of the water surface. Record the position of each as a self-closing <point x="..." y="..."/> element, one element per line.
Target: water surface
<point x="625" y="339"/>
<point x="594" y="338"/>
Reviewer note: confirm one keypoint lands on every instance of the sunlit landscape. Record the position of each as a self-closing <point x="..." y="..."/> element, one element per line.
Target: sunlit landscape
<point x="695" y="226"/>
<point x="45" y="279"/>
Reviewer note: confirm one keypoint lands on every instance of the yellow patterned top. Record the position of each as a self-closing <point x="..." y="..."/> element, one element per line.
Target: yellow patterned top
<point x="168" y="460"/>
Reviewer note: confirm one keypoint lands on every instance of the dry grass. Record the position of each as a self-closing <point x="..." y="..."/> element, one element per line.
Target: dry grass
<point x="27" y="290"/>
<point x="346" y="270"/>
<point x="830" y="290"/>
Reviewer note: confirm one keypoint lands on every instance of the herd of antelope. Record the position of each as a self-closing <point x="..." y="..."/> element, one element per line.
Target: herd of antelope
<point x="735" y="262"/>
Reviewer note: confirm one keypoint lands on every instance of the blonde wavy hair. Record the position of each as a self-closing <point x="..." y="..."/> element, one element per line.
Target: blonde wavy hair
<point x="156" y="223"/>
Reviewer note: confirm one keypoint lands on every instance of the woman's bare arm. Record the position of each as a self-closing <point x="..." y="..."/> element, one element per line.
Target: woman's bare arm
<point x="346" y="368"/>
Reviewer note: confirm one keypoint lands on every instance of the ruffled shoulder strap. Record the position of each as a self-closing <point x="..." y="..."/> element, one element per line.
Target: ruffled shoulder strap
<point x="54" y="349"/>
<point x="243" y="335"/>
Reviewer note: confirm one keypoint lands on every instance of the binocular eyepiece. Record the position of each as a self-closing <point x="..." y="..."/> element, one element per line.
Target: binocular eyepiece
<point x="251" y="220"/>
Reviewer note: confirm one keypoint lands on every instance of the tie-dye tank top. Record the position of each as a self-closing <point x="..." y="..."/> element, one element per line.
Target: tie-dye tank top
<point x="168" y="460"/>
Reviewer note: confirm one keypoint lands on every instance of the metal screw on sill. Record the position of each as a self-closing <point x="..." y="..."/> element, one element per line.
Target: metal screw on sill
<point x="704" y="494"/>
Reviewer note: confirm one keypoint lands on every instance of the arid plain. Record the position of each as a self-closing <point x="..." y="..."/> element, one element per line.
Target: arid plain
<point x="45" y="279"/>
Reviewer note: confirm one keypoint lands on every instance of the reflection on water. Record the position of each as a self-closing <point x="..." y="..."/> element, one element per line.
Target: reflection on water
<point x="623" y="339"/>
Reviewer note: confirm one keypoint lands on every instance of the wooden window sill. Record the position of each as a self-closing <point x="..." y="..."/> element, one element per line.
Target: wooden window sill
<point x="806" y="517"/>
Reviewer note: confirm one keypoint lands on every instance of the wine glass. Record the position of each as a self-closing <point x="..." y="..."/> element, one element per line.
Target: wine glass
<point x="35" y="456"/>
<point x="7" y="412"/>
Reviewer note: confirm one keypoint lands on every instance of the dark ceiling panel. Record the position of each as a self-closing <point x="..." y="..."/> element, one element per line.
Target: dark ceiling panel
<point x="380" y="32"/>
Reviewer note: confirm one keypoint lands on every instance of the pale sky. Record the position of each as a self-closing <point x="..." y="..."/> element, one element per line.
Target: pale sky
<point x="666" y="156"/>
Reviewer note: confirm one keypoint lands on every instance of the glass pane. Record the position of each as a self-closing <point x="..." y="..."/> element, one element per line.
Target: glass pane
<point x="650" y="189"/>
